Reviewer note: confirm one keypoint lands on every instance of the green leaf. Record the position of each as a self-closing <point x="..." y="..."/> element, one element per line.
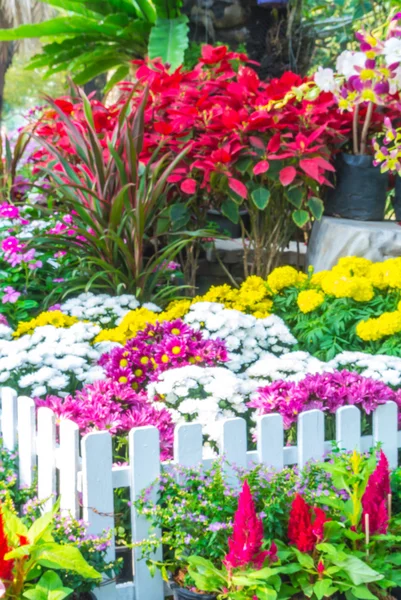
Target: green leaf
<point x="361" y="591"/>
<point x="40" y="527"/>
<point x="169" y="39"/>
<point x="322" y="587"/>
<point x="358" y="571"/>
<point x="316" y="207"/>
<point x="304" y="559"/>
<point x="230" y="209"/>
<point x="57" y="26"/>
<point x="49" y="587"/>
<point x="295" y="196"/>
<point x="300" y="217"/>
<point x="120" y="74"/>
<point x="55" y="556"/>
<point x="261" y="197"/>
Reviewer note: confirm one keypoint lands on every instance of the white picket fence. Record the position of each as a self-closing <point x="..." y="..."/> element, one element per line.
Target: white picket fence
<point x="82" y="475"/>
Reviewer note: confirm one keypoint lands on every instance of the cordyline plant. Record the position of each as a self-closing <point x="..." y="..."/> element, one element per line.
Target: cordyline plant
<point x="258" y="146"/>
<point x="116" y="201"/>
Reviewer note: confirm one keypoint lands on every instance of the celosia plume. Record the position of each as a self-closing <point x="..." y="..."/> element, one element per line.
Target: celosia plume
<point x="6" y="566"/>
<point x="374" y="500"/>
<point x="303" y="532"/>
<point x="246" y="542"/>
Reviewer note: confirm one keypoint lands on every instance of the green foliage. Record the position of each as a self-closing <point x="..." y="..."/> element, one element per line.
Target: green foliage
<point x="91" y="37"/>
<point x="119" y="203"/>
<point x="34" y="549"/>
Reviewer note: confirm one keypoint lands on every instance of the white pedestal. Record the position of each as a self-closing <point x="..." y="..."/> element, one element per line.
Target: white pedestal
<point x="333" y="238"/>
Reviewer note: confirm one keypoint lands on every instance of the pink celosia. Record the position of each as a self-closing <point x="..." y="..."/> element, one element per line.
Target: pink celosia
<point x="246" y="542"/>
<point x="375" y="498"/>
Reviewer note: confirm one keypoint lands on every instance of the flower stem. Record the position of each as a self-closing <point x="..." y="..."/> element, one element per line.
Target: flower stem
<point x="366" y="126"/>
<point x="355" y="129"/>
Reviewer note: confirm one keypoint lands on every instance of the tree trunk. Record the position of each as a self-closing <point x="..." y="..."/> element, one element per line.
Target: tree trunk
<point x="6" y="57"/>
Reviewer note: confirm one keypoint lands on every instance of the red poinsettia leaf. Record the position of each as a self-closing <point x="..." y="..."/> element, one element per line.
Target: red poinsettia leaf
<point x="261" y="167"/>
<point x="174" y="178"/>
<point x="257" y="142"/>
<point x="274" y="143"/>
<point x="238" y="187"/>
<point x="188" y="186"/>
<point x="287" y="175"/>
<point x="324" y="164"/>
<point x="311" y="167"/>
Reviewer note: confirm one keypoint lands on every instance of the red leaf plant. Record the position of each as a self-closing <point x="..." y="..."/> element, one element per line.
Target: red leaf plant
<point x="306" y="525"/>
<point x="246" y="542"/>
<point x="375" y="498"/>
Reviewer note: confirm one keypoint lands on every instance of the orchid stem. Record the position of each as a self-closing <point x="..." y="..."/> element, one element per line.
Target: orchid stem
<point x="366" y="126"/>
<point x="355" y="129"/>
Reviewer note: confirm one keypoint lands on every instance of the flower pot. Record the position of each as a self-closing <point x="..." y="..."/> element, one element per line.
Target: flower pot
<point x="360" y="189"/>
<point x="224" y="224"/>
<point x="397" y="198"/>
<point x="183" y="594"/>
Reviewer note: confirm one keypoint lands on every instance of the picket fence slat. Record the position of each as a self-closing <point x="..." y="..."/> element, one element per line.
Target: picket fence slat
<point x="68" y="462"/>
<point x="348" y="428"/>
<point x="87" y="477"/>
<point x="270" y="441"/>
<point x="188" y="444"/>
<point x="46" y="451"/>
<point x="97" y="493"/>
<point x="9" y="418"/>
<point x="144" y="458"/>
<point x="26" y="440"/>
<point x="233" y="446"/>
<point x="385" y="426"/>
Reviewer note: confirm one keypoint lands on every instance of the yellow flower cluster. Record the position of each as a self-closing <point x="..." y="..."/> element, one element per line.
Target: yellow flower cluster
<point x="341" y="286"/>
<point x="309" y="300"/>
<point x="284" y="277"/>
<point x="252" y="297"/>
<point x="54" y="317"/>
<point x="137" y="320"/>
<point x="387" y="324"/>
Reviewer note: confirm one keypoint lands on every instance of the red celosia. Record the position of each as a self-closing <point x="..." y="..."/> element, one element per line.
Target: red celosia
<point x="374" y="500"/>
<point x="246" y="542"/>
<point x="6" y="566"/>
<point x="304" y="532"/>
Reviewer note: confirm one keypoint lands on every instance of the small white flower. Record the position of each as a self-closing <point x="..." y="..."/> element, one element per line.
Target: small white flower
<point x="324" y="79"/>
<point x="348" y="60"/>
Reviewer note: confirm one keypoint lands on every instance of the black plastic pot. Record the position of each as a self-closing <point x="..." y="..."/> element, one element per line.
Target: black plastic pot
<point x="225" y="225"/>
<point x="397" y="198"/>
<point x="360" y="189"/>
<point x="182" y="594"/>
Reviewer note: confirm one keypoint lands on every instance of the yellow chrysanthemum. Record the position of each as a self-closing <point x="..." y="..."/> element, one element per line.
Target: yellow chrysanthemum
<point x="284" y="277"/>
<point x="176" y="310"/>
<point x="353" y="266"/>
<point x="54" y="317"/>
<point x="357" y="288"/>
<point x="309" y="300"/>
<point x="317" y="278"/>
<point x="253" y="289"/>
<point x="387" y="324"/>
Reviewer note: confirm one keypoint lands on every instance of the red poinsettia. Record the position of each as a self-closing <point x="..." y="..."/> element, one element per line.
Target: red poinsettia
<point x="375" y="498"/>
<point x="306" y="525"/>
<point x="246" y="542"/>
